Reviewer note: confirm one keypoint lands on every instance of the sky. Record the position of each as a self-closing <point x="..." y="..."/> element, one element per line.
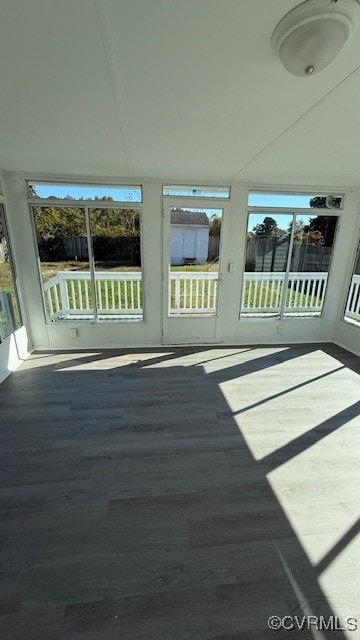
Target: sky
<point x="282" y="200"/>
<point x="129" y="194"/>
<point x="61" y="191"/>
<point x="283" y="220"/>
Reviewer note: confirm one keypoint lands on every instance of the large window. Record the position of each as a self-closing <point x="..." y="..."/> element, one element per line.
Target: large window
<point x="287" y="263"/>
<point x="10" y="317"/>
<point x="352" y="307"/>
<point x="90" y="262"/>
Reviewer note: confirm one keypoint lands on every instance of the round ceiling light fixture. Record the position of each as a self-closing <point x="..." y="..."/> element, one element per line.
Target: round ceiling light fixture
<point x="310" y="36"/>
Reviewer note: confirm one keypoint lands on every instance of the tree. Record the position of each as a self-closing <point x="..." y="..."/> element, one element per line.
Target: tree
<point x="115" y="223"/>
<point x="325" y="225"/>
<point x="268" y="228"/>
<point x="53" y="222"/>
<point x="299" y="230"/>
<point x="321" y="202"/>
<point x="215" y="225"/>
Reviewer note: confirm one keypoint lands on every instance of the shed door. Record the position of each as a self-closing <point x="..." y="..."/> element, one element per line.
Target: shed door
<point x="189" y="248"/>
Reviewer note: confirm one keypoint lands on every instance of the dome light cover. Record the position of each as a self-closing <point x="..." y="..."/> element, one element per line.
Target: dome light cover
<point x="310" y="36"/>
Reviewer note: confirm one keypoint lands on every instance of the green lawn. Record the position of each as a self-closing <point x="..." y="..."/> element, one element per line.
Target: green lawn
<point x="7" y="284"/>
<point x="123" y="291"/>
<point x="264" y="299"/>
<point x="200" y="296"/>
<point x="208" y="266"/>
<point x="184" y="294"/>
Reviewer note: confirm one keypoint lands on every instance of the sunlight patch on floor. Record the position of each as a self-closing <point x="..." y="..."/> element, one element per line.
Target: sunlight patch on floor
<point x="340" y="582"/>
<point x="269" y="408"/>
<point x="39" y="360"/>
<point x="263" y="438"/>
<point x="239" y="358"/>
<point x="318" y="491"/>
<point x="115" y="362"/>
<point x="210" y="359"/>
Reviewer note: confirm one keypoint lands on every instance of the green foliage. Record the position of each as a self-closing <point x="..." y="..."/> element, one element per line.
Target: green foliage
<point x="215" y="225"/>
<point x="298" y="231"/>
<point x="322" y="227"/>
<point x="115" y="222"/>
<point x="268" y="228"/>
<point x="319" y="202"/>
<point x="54" y="222"/>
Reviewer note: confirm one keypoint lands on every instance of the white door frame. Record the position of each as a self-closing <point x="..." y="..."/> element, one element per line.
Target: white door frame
<point x="194" y="328"/>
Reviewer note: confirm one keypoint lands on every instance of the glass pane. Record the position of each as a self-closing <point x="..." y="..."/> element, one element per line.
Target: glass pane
<point x="294" y="200"/>
<point x="310" y="263"/>
<point x="352" y="308"/>
<point x="10" y="317"/>
<point x="196" y="192"/>
<point x="117" y="255"/>
<point x="85" y="192"/>
<point x="267" y="250"/>
<point x="64" y="262"/>
<point x="194" y="260"/>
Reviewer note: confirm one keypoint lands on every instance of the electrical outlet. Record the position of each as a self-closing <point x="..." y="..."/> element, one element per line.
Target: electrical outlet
<point x="73" y="333"/>
<point x="280" y="329"/>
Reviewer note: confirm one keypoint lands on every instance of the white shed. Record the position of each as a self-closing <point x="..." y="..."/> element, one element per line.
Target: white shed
<point x="189" y="237"/>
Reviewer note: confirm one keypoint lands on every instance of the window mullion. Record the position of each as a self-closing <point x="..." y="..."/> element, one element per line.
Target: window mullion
<point x="288" y="265"/>
<point x="91" y="262"/>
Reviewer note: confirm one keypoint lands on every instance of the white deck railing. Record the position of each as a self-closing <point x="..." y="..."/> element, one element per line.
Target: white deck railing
<point x="353" y="302"/>
<point x="193" y="292"/>
<point x="69" y="294"/>
<point x="263" y="292"/>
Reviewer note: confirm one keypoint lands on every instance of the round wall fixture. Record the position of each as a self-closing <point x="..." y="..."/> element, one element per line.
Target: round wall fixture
<point x="310" y="36"/>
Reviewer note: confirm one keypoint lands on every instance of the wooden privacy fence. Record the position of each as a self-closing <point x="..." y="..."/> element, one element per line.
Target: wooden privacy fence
<point x="213" y="248"/>
<point x="123" y="249"/>
<point x="262" y="254"/>
<point x="270" y="254"/>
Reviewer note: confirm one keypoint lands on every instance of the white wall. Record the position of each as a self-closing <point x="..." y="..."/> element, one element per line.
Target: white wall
<point x="13" y="351"/>
<point x="176" y="245"/>
<point x="16" y="347"/>
<point x="230" y="328"/>
<point x="199" y="237"/>
<point x="347" y="334"/>
<point x="202" y="244"/>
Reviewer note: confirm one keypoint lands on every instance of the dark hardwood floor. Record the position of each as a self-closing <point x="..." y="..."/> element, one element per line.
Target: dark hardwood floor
<point x="179" y="493"/>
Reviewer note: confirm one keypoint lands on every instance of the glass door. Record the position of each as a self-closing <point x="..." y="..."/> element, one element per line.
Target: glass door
<point x="192" y="271"/>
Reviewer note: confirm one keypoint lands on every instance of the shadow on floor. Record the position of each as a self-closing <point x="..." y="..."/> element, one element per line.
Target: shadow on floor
<point x="140" y="495"/>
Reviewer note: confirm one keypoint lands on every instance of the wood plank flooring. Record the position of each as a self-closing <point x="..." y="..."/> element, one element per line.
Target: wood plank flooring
<point x="179" y="493"/>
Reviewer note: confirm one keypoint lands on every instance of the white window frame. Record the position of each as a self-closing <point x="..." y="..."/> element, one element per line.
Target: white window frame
<point x="86" y="205"/>
<point x="293" y="211"/>
<point x="13" y="272"/>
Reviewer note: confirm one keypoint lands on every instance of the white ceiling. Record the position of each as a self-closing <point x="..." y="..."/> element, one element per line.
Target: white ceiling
<point x="174" y="89"/>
